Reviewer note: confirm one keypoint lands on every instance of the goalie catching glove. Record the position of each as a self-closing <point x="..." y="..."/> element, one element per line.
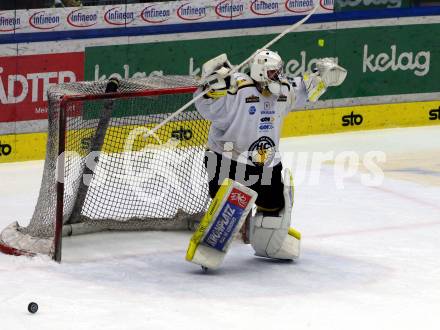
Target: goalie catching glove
<point x="326" y="73"/>
<point x="215" y="76"/>
<point x="224" y="218"/>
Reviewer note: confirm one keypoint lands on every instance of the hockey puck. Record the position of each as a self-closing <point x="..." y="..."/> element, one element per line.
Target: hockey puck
<point x="33" y="307"/>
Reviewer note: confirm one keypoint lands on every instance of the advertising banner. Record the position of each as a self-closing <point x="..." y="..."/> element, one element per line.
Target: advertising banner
<point x="151" y="14"/>
<point x="393" y="69"/>
<point x="386" y="60"/>
<point x="365" y="117"/>
<point x="24" y="81"/>
<point x="348" y="5"/>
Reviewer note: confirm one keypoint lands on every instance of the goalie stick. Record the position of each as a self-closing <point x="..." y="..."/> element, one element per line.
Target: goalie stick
<point x="234" y="69"/>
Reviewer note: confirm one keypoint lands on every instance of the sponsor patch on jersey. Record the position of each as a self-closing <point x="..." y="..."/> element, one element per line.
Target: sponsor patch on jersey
<point x="266" y="124"/>
<point x="282" y="98"/>
<point x="267" y="106"/>
<point x="262" y="151"/>
<point x="252" y="99"/>
<point x="267" y="112"/>
<point x="264" y="127"/>
<point x="252" y="110"/>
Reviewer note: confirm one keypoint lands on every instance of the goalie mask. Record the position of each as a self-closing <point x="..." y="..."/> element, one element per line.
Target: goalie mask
<point x="267" y="69"/>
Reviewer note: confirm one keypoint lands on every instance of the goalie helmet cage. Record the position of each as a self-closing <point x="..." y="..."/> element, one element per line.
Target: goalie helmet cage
<point x="104" y="171"/>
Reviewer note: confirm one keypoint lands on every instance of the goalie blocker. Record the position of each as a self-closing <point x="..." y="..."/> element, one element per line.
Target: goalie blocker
<point x="224" y="218"/>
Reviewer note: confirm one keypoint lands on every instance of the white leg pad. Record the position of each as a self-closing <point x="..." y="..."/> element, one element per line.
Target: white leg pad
<point x="224" y="218"/>
<point x="208" y="257"/>
<point x="280" y="243"/>
<point x="271" y="236"/>
<point x="290" y="248"/>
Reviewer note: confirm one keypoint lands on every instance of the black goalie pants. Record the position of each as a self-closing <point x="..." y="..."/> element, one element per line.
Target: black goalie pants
<point x="266" y="181"/>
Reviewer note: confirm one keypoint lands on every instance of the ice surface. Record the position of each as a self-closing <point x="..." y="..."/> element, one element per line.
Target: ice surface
<point x="370" y="255"/>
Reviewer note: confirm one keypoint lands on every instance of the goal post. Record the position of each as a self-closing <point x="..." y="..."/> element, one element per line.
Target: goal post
<point x="104" y="171"/>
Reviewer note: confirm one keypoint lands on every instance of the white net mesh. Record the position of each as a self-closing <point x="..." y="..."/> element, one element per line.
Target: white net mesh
<point x="117" y="177"/>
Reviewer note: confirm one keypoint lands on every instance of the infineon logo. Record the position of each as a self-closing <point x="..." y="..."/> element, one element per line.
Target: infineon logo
<point x="264" y="8"/>
<point x="327" y="4"/>
<point x="9" y="23"/>
<point x="81" y="18"/>
<point x="299" y="6"/>
<point x="44" y="21"/>
<point x="151" y="14"/>
<point x="228" y="9"/>
<point x="189" y="12"/>
<point x="117" y="16"/>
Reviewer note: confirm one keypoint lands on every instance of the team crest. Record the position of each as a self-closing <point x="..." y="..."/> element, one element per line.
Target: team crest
<point x="262" y="151"/>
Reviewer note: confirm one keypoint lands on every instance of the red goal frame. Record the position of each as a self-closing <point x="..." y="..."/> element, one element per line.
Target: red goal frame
<point x="62" y="118"/>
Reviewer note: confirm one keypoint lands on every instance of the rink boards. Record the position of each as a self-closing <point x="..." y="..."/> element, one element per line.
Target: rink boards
<point x="32" y="146"/>
<point x="392" y="63"/>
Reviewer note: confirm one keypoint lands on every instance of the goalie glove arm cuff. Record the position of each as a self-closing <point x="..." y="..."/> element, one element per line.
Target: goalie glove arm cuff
<point x="217" y="88"/>
<point x="300" y="93"/>
<point x="315" y="86"/>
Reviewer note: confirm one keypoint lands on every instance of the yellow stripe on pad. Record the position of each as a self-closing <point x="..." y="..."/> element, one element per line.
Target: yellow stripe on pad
<point x="207" y="218"/>
<point x="295" y="233"/>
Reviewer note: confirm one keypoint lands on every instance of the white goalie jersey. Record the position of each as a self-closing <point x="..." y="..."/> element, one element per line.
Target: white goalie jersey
<point x="247" y="124"/>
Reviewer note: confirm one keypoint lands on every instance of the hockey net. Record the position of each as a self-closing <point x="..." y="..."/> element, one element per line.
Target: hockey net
<point x="104" y="170"/>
